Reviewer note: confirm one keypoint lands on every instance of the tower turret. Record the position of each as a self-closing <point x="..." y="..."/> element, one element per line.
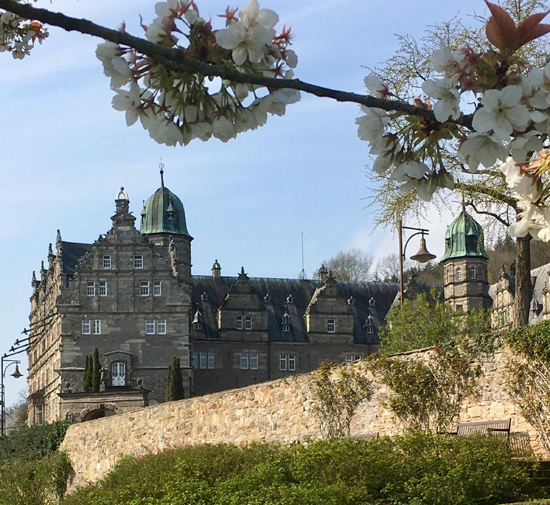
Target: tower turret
<point x="163" y="222"/>
<point x="465" y="263"/>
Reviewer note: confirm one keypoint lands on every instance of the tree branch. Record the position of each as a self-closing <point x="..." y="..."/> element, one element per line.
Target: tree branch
<point x="177" y="61"/>
<point x="486" y="190"/>
<point x="487" y="213"/>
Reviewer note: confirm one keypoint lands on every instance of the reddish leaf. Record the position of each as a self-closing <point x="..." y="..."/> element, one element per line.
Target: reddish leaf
<point x="493" y="34"/>
<point x="528" y="29"/>
<point x="507" y="31"/>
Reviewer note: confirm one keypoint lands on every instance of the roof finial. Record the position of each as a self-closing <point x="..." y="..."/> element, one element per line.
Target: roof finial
<point x="463" y="201"/>
<point x="161" y="166"/>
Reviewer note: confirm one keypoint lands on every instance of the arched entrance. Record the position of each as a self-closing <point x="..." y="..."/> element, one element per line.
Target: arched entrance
<point x="98" y="411"/>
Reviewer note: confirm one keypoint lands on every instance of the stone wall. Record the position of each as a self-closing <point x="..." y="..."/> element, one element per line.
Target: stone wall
<point x="279" y="410"/>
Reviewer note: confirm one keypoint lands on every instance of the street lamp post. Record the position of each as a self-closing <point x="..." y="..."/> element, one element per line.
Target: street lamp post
<point x="422" y="256"/>
<point x="16" y="374"/>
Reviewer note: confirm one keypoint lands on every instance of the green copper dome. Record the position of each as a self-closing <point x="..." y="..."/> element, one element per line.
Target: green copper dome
<point x="163" y="213"/>
<point x="464" y="238"/>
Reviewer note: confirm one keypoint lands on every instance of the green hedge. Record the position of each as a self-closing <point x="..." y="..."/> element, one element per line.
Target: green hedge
<point x="36" y="482"/>
<point x="32" y="442"/>
<point x="416" y="469"/>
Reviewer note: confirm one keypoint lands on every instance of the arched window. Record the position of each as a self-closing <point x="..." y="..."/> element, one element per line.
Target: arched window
<point x="472" y="272"/>
<point x="458" y="274"/>
<point x="118" y="374"/>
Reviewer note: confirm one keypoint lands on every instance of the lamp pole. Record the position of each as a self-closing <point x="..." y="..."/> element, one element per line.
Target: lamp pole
<point x="422" y="256"/>
<point x="16" y="374"/>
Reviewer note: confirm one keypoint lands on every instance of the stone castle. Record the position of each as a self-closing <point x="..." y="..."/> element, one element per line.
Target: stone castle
<point x="131" y="295"/>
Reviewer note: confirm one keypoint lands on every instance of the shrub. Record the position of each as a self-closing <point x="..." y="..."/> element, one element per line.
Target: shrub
<point x="35" y="482"/>
<point x="32" y="442"/>
<point x="415" y="469"/>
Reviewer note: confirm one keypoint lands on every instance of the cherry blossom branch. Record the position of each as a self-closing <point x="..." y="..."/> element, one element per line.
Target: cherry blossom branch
<point x="178" y="61"/>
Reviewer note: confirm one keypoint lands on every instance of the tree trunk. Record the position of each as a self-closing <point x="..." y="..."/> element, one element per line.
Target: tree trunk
<point x="522" y="299"/>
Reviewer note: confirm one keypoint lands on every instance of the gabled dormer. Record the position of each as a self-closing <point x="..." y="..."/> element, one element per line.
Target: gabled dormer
<point x="329" y="317"/>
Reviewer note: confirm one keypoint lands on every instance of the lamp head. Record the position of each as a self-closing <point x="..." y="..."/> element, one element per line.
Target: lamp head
<point x="423" y="256"/>
<point x="17" y="373"/>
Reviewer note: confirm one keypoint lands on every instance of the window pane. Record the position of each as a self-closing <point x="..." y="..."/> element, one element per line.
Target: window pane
<point x="195" y="360"/>
<point x="157" y="288"/>
<point x="144" y="288"/>
<point x="211" y="360"/>
<point x="282" y="362"/>
<point x="202" y="363"/>
<point x="138" y="261"/>
<point x="85" y="327"/>
<point x="349" y="358"/>
<point x="102" y="288"/>
<point x="331" y="326"/>
<point x="292" y="362"/>
<point x="248" y="323"/>
<point x="254" y="361"/>
<point x="96" y="327"/>
<point x="90" y="288"/>
<point x="107" y="262"/>
<point x="150" y="327"/>
<point x="161" y="326"/>
<point x="239" y="323"/>
<point x="244" y="361"/>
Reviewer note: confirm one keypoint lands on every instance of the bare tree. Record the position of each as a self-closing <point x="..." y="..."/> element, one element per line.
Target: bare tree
<point x="387" y="268"/>
<point x="353" y="265"/>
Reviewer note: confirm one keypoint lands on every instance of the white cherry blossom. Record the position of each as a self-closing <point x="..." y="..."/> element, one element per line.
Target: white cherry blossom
<point x="249" y="36"/>
<point x="525" y="187"/>
<point x="502" y="112"/>
<point x="447" y="98"/>
<point x="481" y="148"/>
<point x="375" y="85"/>
<point x="409" y="170"/>
<point x="524" y="144"/>
<point x="128" y="101"/>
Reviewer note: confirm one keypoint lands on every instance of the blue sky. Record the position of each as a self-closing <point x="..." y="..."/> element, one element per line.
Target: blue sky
<point x="66" y="152"/>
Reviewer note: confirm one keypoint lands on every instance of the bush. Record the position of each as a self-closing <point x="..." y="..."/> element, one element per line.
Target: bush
<point x="35" y="482"/>
<point x="32" y="442"/>
<point x="416" y="469"/>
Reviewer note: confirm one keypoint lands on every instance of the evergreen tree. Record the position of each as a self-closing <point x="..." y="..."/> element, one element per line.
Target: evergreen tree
<point x="170" y="393"/>
<point x="178" y="380"/>
<point x="88" y="375"/>
<point x="96" y="372"/>
<point x="174" y="382"/>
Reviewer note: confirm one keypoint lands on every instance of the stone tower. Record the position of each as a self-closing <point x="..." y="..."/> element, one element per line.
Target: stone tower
<point x="163" y="222"/>
<point x="465" y="262"/>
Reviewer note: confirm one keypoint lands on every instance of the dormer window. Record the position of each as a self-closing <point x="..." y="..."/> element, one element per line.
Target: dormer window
<point x="372" y="302"/>
<point x="290" y="299"/>
<point x="370" y="330"/>
<point x="198" y="326"/>
<point x="204" y="297"/>
<point x="285" y="322"/>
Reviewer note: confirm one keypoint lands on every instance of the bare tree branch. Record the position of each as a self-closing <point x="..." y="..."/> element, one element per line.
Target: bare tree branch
<point x="487" y="213"/>
<point x="177" y="61"/>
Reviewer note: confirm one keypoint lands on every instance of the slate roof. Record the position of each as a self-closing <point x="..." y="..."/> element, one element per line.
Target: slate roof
<point x="293" y="296"/>
<point x="71" y="252"/>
